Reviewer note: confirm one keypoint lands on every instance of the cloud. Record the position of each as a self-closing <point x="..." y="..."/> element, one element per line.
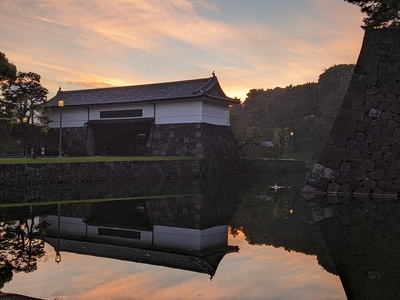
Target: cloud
<point x="71" y="43"/>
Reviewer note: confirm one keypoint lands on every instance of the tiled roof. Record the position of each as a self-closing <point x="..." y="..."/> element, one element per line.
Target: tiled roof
<point x="205" y="87"/>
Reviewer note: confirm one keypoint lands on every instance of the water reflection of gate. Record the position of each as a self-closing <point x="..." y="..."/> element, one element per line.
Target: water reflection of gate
<point x="179" y="232"/>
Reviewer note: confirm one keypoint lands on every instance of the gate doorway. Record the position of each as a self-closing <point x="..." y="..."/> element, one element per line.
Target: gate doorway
<point x="121" y="137"/>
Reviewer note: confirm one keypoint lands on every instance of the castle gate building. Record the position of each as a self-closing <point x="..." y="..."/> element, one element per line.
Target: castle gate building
<point x="189" y="117"/>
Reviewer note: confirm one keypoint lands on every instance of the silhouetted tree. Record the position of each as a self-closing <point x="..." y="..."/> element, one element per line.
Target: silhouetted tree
<point x="23" y="97"/>
<point x="7" y="69"/>
<point x="20" y="249"/>
<point x="6" y="273"/>
<point x="381" y="13"/>
<point x="308" y="109"/>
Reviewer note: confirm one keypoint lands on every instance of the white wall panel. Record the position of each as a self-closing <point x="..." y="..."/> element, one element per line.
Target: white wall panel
<point x="78" y="116"/>
<point x="176" y="112"/>
<point x="217" y="115"/>
<point x="70" y="118"/>
<point x="179" y="112"/>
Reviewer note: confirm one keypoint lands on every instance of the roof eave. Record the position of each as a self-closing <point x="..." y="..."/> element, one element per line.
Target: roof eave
<point x="221" y="99"/>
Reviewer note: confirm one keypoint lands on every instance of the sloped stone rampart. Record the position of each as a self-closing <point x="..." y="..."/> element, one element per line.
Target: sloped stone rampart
<point x="362" y="153"/>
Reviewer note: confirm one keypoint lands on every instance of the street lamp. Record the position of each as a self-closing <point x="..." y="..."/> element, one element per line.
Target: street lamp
<point x="24" y="120"/>
<point x="57" y="258"/>
<point x="33" y="149"/>
<point x="291" y="143"/>
<point x="60" y="105"/>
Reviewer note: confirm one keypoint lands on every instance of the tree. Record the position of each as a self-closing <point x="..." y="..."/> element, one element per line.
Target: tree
<point x="381" y="13"/>
<point x="21" y="247"/>
<point x="281" y="140"/>
<point x="7" y="69"/>
<point x="23" y="97"/>
<point x="252" y="132"/>
<point x="309" y="109"/>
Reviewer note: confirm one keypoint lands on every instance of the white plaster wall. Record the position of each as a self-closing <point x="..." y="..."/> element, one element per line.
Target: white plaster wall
<point x="70" y="117"/>
<point x="179" y="112"/>
<point x="217" y="115"/>
<point x="78" y="116"/>
<point x="148" y="110"/>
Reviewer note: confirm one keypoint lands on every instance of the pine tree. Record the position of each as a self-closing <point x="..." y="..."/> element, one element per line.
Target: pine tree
<point x="380" y="13"/>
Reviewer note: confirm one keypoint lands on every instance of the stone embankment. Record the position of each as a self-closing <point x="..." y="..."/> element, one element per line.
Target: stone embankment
<point x="135" y="171"/>
<point x="56" y="173"/>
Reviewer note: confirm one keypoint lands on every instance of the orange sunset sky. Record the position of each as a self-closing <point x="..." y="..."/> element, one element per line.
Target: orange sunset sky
<point x="80" y="44"/>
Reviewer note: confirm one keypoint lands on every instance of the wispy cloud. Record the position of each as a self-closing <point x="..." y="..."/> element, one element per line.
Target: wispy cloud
<point x="91" y="43"/>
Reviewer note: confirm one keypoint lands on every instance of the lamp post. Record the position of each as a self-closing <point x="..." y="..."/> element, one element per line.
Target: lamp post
<point x="60" y="105"/>
<point x="24" y="120"/>
<point x="33" y="150"/>
<point x="291" y="143"/>
<point x="57" y="258"/>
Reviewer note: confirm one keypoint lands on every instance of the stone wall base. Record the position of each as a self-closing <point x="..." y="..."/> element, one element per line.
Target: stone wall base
<point x="216" y="144"/>
<point x="74" y="140"/>
<point x="194" y="139"/>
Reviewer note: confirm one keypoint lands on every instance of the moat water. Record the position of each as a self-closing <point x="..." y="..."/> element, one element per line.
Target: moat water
<point x="241" y="239"/>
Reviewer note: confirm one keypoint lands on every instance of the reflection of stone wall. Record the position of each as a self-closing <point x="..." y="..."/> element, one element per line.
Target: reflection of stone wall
<point x="363" y="238"/>
<point x="185" y="212"/>
<point x="362" y="153"/>
<point x="199" y="211"/>
<point x="260" y="167"/>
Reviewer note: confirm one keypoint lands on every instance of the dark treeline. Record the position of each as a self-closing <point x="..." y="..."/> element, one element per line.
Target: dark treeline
<point x="267" y="117"/>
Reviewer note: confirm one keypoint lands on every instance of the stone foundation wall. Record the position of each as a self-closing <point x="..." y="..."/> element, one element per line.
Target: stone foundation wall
<point x="362" y="153"/>
<point x="142" y="171"/>
<point x="73" y="140"/>
<point x="70" y="174"/>
<point x="215" y="143"/>
<point x="195" y="139"/>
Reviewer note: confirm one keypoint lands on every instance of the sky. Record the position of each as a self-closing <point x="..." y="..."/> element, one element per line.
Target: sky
<point x="252" y="44"/>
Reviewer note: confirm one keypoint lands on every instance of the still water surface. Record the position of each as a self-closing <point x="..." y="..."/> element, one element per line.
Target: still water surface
<point x="200" y="240"/>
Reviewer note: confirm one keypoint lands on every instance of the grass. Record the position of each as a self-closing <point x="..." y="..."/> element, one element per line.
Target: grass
<point x="73" y="159"/>
<point x="45" y="203"/>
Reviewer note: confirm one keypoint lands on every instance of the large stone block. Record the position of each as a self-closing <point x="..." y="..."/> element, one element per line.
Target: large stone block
<point x="323" y="172"/>
<point x="367" y="165"/>
<point x="369" y="184"/>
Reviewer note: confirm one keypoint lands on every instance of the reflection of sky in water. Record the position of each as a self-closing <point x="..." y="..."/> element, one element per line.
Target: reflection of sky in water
<point x="256" y="272"/>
